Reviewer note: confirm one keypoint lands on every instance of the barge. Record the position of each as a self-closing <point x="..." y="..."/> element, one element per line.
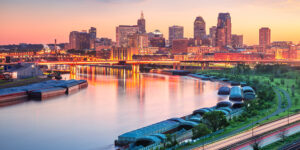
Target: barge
<point x="41" y="91"/>
<point x="170" y="72"/>
<point x="12" y="95"/>
<point x="47" y="93"/>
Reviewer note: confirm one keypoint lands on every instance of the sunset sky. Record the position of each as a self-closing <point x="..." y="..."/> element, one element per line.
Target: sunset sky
<point x="41" y="21"/>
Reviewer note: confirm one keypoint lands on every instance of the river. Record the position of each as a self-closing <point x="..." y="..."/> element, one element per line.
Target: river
<point x="116" y="101"/>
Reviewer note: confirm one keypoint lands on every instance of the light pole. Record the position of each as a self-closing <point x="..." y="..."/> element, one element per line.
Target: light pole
<point x="251" y="121"/>
<point x="203" y="142"/>
<point x="288" y="116"/>
<point x="252" y="127"/>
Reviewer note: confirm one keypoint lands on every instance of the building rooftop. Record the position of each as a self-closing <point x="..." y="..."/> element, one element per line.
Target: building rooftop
<point x="159" y="127"/>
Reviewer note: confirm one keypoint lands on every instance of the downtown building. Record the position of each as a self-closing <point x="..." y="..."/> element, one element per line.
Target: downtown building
<point x="264" y="37"/>
<point x="237" y="41"/>
<point x="93" y="37"/>
<point x="156" y="39"/>
<point x="122" y="33"/>
<point x="180" y="46"/>
<point x="130" y="40"/>
<point x="139" y="42"/>
<point x="141" y="23"/>
<point x="199" y="28"/>
<point x="223" y="34"/>
<point x="212" y="35"/>
<point x="175" y="32"/>
<point x="123" y="53"/>
<point x="82" y="40"/>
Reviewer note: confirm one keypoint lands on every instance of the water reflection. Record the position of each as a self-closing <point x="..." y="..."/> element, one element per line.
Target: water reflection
<point x="116" y="101"/>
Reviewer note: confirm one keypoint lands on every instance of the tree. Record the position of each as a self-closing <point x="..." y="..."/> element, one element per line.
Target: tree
<point x="282" y="135"/>
<point x="272" y="79"/>
<point x="293" y="90"/>
<point x="170" y="140"/>
<point x="256" y="145"/>
<point x="200" y="130"/>
<point x="296" y="101"/>
<point x="282" y="82"/>
<point x="215" y="119"/>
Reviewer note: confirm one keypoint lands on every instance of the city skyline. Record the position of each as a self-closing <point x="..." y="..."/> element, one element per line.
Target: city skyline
<point x="56" y="21"/>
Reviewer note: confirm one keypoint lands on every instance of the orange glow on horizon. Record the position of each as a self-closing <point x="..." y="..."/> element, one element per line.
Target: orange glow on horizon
<point x="32" y="22"/>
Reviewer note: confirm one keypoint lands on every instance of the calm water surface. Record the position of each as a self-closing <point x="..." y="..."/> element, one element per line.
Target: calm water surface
<point x="116" y="101"/>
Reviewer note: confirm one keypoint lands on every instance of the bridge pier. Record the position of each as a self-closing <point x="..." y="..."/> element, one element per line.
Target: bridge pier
<point x="204" y="65"/>
<point x="176" y="66"/>
<point x="136" y="68"/>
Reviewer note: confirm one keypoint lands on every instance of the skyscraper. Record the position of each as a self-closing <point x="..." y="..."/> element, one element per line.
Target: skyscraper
<point x="212" y="35"/>
<point x="93" y="32"/>
<point x="199" y="28"/>
<point x="93" y="36"/>
<point x="122" y="33"/>
<point x="223" y="35"/>
<point x="142" y="24"/>
<point x="175" y="32"/>
<point x="264" y="36"/>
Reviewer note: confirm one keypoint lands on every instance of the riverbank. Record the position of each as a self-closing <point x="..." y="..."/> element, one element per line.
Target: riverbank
<point x="277" y="78"/>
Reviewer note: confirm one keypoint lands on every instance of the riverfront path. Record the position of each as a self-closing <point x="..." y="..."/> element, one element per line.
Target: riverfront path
<point x="278" y="110"/>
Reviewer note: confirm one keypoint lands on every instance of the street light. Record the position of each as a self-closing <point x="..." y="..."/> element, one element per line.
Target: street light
<point x="288" y="116"/>
<point x="251" y="120"/>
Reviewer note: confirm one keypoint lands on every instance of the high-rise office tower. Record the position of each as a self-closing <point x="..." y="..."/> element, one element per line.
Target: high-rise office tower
<point x="93" y="32"/>
<point x="122" y="33"/>
<point x="142" y="24"/>
<point x="212" y="35"/>
<point x="223" y="35"/>
<point x="93" y="36"/>
<point x="72" y="39"/>
<point x="199" y="28"/>
<point x="264" y="36"/>
<point x="175" y="32"/>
